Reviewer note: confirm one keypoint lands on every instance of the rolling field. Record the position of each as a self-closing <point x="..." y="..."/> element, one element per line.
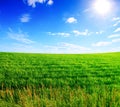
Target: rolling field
<point x="59" y="80"/>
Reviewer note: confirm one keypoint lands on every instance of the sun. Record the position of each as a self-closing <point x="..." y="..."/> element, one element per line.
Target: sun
<point x="102" y="7"/>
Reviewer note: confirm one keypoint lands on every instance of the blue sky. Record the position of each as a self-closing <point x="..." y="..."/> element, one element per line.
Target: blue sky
<point x="59" y="26"/>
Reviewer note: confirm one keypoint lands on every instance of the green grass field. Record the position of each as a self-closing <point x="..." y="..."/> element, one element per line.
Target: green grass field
<point x="59" y="80"/>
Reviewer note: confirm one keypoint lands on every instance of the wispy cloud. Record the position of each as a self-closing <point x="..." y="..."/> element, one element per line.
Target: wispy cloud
<point x="117" y="30"/>
<point x="19" y="36"/>
<point x="74" y="33"/>
<point x="63" y="34"/>
<point x="74" y="46"/>
<point x="66" y="48"/>
<point x="115" y="49"/>
<point x="33" y="2"/>
<point x="99" y="32"/>
<point x="116" y="20"/>
<point x="116" y="40"/>
<point x="86" y="10"/>
<point x="17" y="47"/>
<point x="114" y="36"/>
<point x="25" y="18"/>
<point x="20" y="47"/>
<point x="106" y="43"/>
<point x="102" y="43"/>
<point x="71" y="20"/>
<point x="79" y="33"/>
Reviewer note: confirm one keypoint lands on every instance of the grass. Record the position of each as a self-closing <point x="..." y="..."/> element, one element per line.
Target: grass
<point x="59" y="80"/>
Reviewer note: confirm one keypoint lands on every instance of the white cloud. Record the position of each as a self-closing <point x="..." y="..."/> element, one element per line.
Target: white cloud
<point x="117" y="21"/>
<point x="67" y="48"/>
<point x="114" y="35"/>
<point x="116" y="24"/>
<point x="19" y="36"/>
<point x="116" y="40"/>
<point x="20" y="47"/>
<point x="105" y="43"/>
<point x="50" y="2"/>
<point x="71" y="20"/>
<point x="25" y="18"/>
<point x="84" y="33"/>
<point x="115" y="49"/>
<point x="117" y="30"/>
<point x="63" y="34"/>
<point x="17" y="47"/>
<point x="99" y="32"/>
<point x="99" y="44"/>
<point x="33" y="2"/>
<point x="76" y="32"/>
<point x="74" y="47"/>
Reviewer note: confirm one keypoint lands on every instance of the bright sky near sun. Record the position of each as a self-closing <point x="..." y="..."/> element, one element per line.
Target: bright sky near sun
<point x="60" y="26"/>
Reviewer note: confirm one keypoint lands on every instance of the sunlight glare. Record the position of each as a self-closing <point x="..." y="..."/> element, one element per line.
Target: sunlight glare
<point x="102" y="7"/>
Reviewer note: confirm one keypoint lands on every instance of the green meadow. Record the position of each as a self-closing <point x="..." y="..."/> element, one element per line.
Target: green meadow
<point x="59" y="80"/>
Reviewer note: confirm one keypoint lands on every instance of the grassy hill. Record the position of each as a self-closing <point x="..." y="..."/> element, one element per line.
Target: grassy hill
<point x="60" y="80"/>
